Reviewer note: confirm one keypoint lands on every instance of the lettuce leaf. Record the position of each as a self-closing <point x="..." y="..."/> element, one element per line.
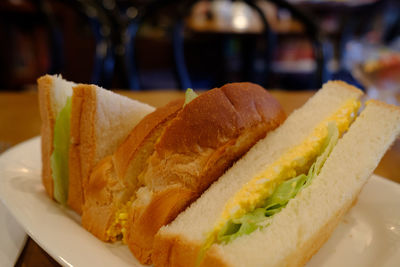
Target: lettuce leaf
<point x="283" y="193"/>
<point x="189" y="96"/>
<point x="59" y="157"/>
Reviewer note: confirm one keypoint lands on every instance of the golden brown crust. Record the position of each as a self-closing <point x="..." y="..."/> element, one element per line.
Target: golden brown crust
<point x="45" y="85"/>
<point x="164" y="207"/>
<point x="81" y="152"/>
<point x="199" y="144"/>
<point x="342" y="84"/>
<point x="383" y="104"/>
<point x="127" y="151"/>
<point x="106" y="191"/>
<point x="219" y="115"/>
<point x="100" y="205"/>
<point x="88" y="138"/>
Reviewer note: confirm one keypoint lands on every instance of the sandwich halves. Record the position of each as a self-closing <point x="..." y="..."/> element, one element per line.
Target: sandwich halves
<point x="81" y="124"/>
<point x="280" y="202"/>
<point x="170" y="158"/>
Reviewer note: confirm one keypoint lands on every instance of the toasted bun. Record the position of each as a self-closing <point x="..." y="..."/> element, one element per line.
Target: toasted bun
<point x="196" y="147"/>
<point x="114" y="179"/>
<point x="52" y="91"/>
<point x="300" y="229"/>
<point x="100" y="121"/>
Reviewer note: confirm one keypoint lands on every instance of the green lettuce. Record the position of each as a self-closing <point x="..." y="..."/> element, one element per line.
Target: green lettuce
<point x="59" y="157"/>
<point x="189" y="96"/>
<point x="283" y="193"/>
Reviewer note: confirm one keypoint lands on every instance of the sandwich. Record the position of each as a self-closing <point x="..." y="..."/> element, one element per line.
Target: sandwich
<point x="279" y="203"/>
<point x="81" y="124"/>
<point x="170" y="158"/>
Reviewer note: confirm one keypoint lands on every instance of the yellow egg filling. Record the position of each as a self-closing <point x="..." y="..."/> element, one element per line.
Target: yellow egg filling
<point x="292" y="163"/>
<point x="117" y="229"/>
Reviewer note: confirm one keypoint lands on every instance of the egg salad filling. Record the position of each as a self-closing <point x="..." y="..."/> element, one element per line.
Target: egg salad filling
<point x="279" y="198"/>
<point x="269" y="192"/>
<point x="59" y="157"/>
<point x="117" y="229"/>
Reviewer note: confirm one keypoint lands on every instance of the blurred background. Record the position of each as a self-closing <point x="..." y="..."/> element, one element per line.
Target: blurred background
<point x="167" y="44"/>
<point x="144" y="45"/>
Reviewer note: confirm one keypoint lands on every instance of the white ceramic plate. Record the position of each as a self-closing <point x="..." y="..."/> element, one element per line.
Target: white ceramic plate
<point x="12" y="239"/>
<point x="368" y="236"/>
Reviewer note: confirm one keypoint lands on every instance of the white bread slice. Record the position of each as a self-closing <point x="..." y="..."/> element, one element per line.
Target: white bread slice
<point x="299" y="230"/>
<point x="53" y="93"/>
<point x="100" y="121"/>
<point x="306" y="223"/>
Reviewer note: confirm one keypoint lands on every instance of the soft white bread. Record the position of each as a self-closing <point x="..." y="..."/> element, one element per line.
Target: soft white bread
<point x="53" y="92"/>
<point x="301" y="228"/>
<point x="100" y="121"/>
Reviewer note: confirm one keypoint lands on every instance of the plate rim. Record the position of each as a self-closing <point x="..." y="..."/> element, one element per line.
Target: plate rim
<point x="17" y="215"/>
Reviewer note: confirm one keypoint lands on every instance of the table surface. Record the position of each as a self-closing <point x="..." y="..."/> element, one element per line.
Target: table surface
<point x="20" y="120"/>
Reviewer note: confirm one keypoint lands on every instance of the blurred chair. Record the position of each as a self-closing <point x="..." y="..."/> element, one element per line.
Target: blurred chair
<point x="311" y="29"/>
<point x="104" y="58"/>
<point x="126" y="17"/>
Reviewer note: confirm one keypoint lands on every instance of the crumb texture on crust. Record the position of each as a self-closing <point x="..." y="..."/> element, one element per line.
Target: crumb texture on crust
<point x="196" y="147"/>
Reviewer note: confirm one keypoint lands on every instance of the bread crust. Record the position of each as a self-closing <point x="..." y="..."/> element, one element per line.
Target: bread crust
<point x="97" y="209"/>
<point x="177" y="251"/>
<point x="45" y="85"/>
<point x="342" y="84"/>
<point x="143" y="131"/>
<point x="164" y="206"/>
<point x="199" y="144"/>
<point x="110" y="184"/>
<point x="81" y="152"/>
<point x="375" y="102"/>
<point x="306" y="250"/>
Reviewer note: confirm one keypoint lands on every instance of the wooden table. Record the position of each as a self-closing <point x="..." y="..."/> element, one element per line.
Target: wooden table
<point x="19" y="120"/>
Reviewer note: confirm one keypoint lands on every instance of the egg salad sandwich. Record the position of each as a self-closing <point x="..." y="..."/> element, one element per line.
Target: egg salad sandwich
<point x="170" y="158"/>
<point x="81" y="124"/>
<point x="280" y="202"/>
